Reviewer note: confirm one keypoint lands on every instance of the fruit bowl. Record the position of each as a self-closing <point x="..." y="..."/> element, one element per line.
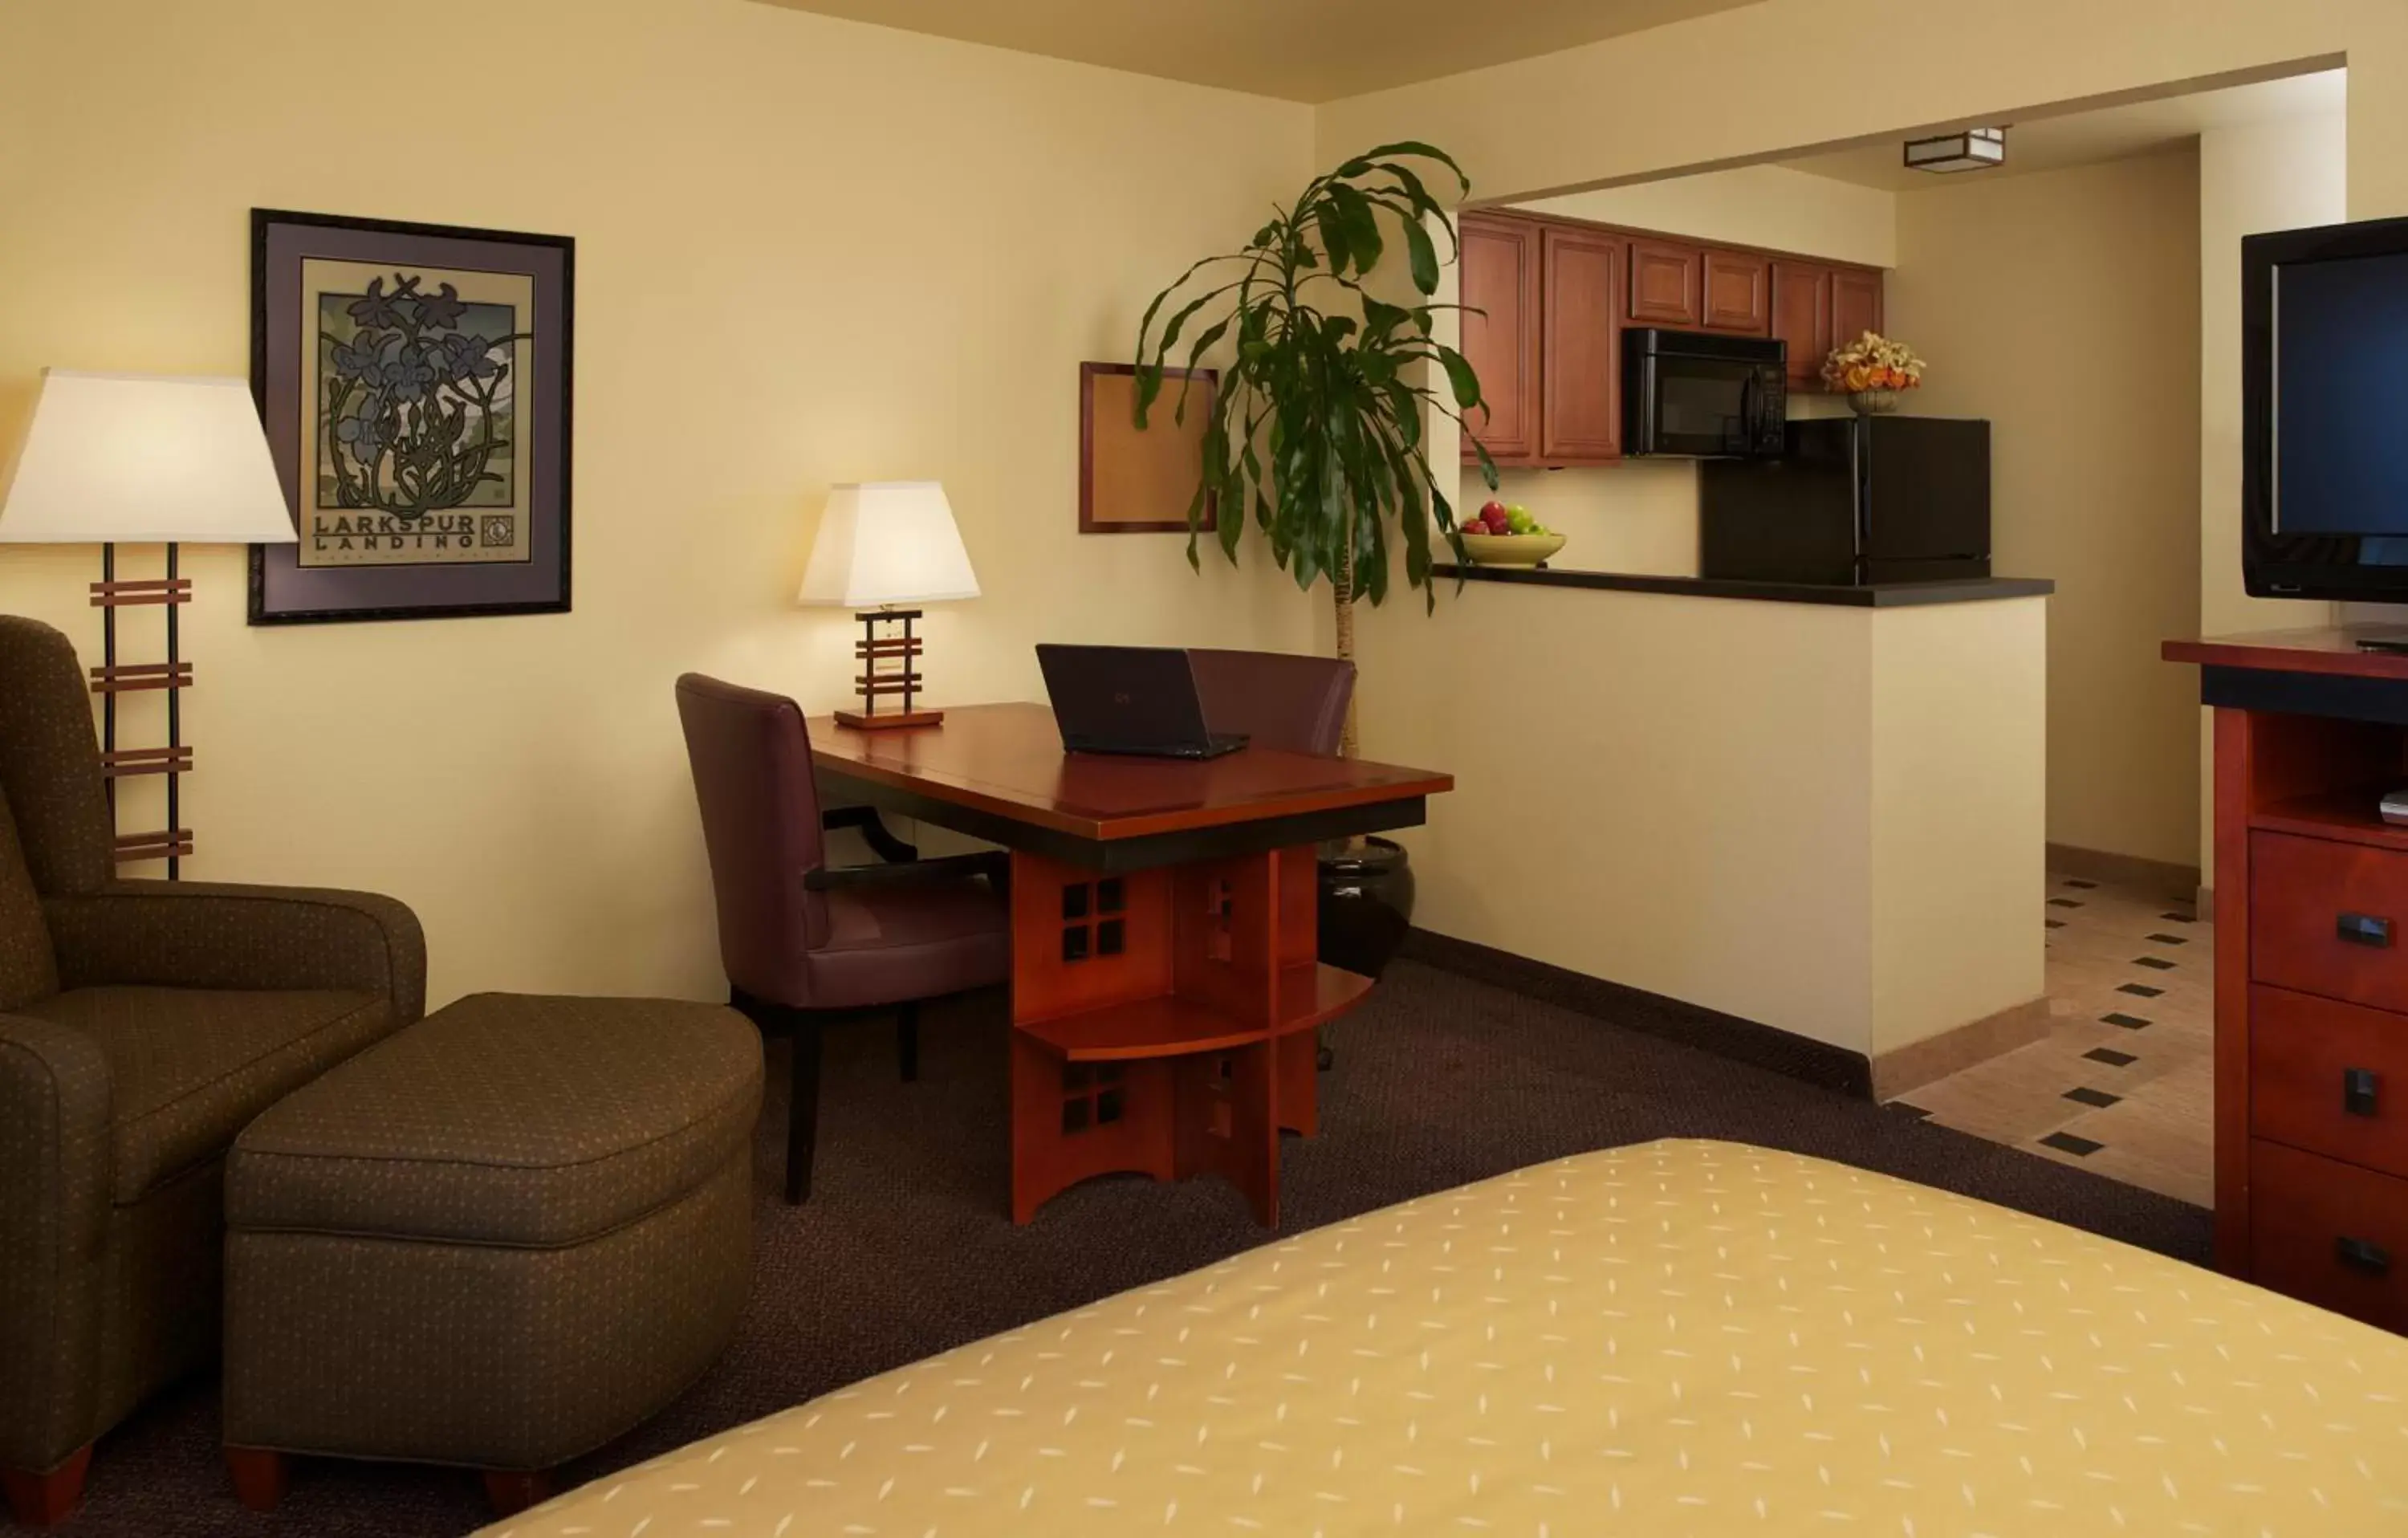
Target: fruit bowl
<point x="1511" y="549"/>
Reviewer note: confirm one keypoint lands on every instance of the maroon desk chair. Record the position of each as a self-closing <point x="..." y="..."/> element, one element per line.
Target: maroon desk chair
<point x="1274" y="699"/>
<point x="806" y="945"/>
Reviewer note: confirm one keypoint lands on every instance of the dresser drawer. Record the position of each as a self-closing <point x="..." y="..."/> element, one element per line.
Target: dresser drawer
<point x="2329" y="1233"/>
<point x="2329" y="1077"/>
<point x="2328" y="918"/>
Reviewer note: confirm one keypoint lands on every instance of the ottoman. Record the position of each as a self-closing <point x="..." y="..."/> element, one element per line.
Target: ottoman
<point x="497" y="1239"/>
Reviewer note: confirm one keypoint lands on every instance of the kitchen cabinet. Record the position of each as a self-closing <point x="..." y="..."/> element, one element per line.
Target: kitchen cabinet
<point x="1580" y="398"/>
<point x="1501" y="332"/>
<point x="1664" y="278"/>
<point x="1801" y="317"/>
<point x="1737" y="293"/>
<point x="1547" y="301"/>
<point x="1855" y="303"/>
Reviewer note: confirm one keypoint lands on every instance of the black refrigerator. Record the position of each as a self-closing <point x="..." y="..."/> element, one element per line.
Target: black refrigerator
<point x="1853" y="500"/>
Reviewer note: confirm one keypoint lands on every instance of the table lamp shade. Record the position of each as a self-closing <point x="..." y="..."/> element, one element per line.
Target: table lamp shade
<point x="141" y="459"/>
<point x="888" y="542"/>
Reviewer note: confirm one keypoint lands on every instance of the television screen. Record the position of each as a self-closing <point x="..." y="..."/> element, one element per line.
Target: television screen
<point x="2341" y="396"/>
<point x="2325" y="412"/>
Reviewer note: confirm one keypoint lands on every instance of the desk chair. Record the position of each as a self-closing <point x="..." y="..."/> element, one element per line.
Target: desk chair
<point x="805" y="945"/>
<point x="1275" y="699"/>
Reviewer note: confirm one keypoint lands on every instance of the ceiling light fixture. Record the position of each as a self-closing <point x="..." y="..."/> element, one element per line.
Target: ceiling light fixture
<point x="1969" y="149"/>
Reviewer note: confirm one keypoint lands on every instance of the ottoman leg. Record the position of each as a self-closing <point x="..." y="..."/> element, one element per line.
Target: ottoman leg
<point x="260" y="1476"/>
<point x="514" y="1490"/>
<point x="802" y="1108"/>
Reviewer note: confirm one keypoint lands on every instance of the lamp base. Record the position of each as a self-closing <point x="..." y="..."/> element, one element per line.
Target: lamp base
<point x="882" y="723"/>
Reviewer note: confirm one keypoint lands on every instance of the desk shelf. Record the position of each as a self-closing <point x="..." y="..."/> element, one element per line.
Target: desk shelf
<point x="1174" y="1025"/>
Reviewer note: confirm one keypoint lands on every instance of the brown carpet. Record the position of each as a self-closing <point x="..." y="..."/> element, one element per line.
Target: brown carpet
<point x="904" y="1249"/>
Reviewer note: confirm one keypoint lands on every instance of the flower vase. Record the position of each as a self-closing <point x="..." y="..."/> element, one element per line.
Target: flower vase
<point x="1867" y="402"/>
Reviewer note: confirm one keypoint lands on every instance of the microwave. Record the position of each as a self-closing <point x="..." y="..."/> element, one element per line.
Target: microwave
<point x="1694" y="394"/>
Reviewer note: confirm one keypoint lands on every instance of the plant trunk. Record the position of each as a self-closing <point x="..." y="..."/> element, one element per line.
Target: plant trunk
<point x="1341" y="593"/>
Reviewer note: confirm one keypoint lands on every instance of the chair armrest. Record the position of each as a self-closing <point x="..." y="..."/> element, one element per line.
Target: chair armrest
<point x="874" y="831"/>
<point x="54" y="1190"/>
<point x="993" y="864"/>
<point x="211" y="935"/>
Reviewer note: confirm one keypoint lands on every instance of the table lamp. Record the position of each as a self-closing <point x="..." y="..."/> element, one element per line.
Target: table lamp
<point x="117" y="459"/>
<point x="882" y="543"/>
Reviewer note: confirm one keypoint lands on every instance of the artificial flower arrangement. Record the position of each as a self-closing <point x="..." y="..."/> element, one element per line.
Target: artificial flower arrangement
<point x="1873" y="362"/>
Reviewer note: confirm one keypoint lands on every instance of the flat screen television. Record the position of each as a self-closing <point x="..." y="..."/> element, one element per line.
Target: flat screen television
<point x="2324" y="372"/>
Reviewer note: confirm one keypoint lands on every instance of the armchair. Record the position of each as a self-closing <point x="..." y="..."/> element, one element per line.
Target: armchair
<point x="142" y="1025"/>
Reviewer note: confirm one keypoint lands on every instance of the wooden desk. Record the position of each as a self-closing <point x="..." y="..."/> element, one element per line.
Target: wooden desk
<point x="1164" y="980"/>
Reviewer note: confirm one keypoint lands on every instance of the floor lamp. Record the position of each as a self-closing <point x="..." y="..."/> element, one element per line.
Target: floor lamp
<point x="115" y="459"/>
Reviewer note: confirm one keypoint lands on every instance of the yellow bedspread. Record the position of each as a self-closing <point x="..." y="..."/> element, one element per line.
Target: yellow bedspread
<point x="1677" y="1337"/>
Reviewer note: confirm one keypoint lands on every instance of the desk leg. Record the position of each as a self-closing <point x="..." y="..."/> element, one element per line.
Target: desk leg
<point x="1142" y="1091"/>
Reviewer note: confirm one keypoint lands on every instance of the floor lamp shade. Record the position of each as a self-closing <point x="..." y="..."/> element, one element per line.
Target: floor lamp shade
<point x="144" y="459"/>
<point x="882" y="543"/>
<point x="114" y="459"/>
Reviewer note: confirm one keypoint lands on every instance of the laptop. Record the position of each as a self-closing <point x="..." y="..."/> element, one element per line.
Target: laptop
<point x="1132" y="700"/>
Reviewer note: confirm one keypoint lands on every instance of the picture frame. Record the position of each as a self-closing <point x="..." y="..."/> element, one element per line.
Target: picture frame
<point x="1133" y="481"/>
<point x="416" y="385"/>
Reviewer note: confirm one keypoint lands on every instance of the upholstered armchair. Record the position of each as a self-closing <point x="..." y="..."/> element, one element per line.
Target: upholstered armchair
<point x="142" y="1025"/>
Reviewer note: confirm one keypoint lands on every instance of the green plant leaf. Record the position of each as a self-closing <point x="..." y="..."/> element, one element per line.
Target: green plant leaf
<point x="1420" y="152"/>
<point x="1363" y="242"/>
<point x="1423" y="253"/>
<point x="1460" y="378"/>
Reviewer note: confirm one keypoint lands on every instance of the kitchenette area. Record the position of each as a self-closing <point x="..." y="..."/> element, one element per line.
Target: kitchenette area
<point x="1767" y="737"/>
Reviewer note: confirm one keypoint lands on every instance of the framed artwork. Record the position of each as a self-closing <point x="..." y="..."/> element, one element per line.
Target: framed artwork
<point x="414" y="379"/>
<point x="1141" y="483"/>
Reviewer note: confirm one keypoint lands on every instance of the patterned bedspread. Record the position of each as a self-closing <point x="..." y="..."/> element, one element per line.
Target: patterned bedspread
<point x="1677" y="1337"/>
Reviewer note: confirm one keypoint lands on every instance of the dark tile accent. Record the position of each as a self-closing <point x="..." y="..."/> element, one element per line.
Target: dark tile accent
<point x="2064" y="903"/>
<point x="2066" y="1142"/>
<point x="2181" y="918"/>
<point x="2130" y="1022"/>
<point x="2083" y="885"/>
<point x="1108" y="895"/>
<point x="2155" y="963"/>
<point x="1635" y="1009"/>
<point x="2140" y="990"/>
<point x="1902" y="1108"/>
<point x="2168" y="939"/>
<point x="2109" y="1056"/>
<point x="2087" y="1095"/>
<point x="1108" y="937"/>
<point x="1107" y="1107"/>
<point x="1074" y="943"/>
<point x="2053" y="922"/>
<point x="1074" y="900"/>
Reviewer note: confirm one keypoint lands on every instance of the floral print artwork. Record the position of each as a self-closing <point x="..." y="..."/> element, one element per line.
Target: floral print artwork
<point x="415" y="409"/>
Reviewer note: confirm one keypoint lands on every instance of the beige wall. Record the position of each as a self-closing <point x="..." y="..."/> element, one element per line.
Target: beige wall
<point x="2064" y="306"/>
<point x="2285" y="174"/>
<point x="1769" y="206"/>
<point x="808" y="250"/>
<point x="1823" y="819"/>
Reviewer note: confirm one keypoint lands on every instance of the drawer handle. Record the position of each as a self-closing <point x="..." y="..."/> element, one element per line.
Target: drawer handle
<point x="2363" y="1254"/>
<point x="2363" y="930"/>
<point x="2358" y="1089"/>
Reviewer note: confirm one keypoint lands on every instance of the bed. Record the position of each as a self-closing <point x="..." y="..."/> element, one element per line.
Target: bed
<point x="1674" y="1338"/>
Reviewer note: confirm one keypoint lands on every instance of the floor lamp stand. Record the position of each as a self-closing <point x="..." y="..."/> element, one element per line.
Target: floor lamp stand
<point x="113" y="677"/>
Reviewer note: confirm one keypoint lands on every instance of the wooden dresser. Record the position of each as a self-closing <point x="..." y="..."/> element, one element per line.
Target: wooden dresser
<point x="2311" y="967"/>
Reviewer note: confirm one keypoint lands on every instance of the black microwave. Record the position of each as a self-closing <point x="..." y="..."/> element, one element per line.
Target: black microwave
<point x="1697" y="395"/>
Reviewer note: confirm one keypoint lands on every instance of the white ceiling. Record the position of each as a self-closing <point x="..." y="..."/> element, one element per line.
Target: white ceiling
<point x="2110" y="133"/>
<point x="1306" y="51"/>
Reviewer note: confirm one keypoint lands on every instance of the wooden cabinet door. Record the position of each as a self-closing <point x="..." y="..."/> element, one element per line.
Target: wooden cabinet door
<point x="1801" y="317"/>
<point x="1736" y="293"/>
<point x="1580" y="399"/>
<point x="1500" y="333"/>
<point x="1855" y="303"/>
<point x="1665" y="280"/>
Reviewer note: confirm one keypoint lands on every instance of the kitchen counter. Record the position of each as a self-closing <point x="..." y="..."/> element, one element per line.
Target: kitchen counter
<point x="1871" y="596"/>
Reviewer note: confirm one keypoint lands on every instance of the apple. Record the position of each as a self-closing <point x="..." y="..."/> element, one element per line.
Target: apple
<point x="1486" y="507"/>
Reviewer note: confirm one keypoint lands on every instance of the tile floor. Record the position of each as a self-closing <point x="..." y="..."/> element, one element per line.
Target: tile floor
<point x="2122" y="1084"/>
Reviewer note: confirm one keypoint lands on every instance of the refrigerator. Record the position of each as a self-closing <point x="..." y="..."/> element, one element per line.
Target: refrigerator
<point x="1851" y="501"/>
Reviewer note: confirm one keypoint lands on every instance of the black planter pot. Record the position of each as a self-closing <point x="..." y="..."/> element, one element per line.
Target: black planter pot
<point x="1366" y="903"/>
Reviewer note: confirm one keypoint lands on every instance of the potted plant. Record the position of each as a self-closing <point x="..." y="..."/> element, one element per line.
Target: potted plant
<point x="1315" y="435"/>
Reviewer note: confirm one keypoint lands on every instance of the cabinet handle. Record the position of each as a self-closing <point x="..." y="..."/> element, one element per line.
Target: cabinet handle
<point x="2358" y="1089"/>
<point x="2363" y="930"/>
<point x="2363" y="1254"/>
